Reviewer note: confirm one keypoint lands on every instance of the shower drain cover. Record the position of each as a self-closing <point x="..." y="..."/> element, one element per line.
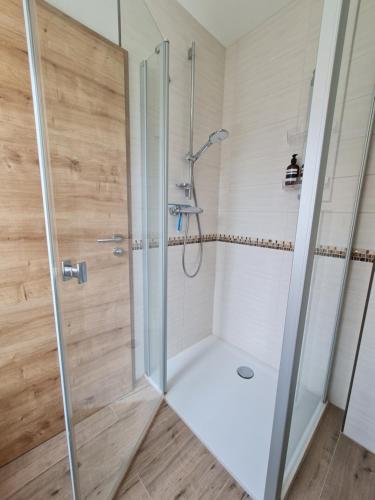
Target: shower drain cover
<point x="245" y="372"/>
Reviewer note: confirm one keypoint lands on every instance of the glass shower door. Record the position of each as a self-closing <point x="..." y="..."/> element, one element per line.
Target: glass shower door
<point x="329" y="201"/>
<point x="82" y="87"/>
<point x="154" y="180"/>
<point x="83" y="82"/>
<point x="333" y="247"/>
<point x="149" y="86"/>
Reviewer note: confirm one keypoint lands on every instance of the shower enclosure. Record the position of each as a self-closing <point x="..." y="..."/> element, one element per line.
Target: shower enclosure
<point x="115" y="177"/>
<point x="80" y="88"/>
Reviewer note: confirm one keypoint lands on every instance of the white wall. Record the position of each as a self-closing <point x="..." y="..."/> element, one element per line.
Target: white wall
<point x="190" y="301"/>
<point x="227" y="23"/>
<point x="98" y="15"/>
<point x="360" y="421"/>
<point x="356" y="113"/>
<point x="265" y="116"/>
<point x="267" y="82"/>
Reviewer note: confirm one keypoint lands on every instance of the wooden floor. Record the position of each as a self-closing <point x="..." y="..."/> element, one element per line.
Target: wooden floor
<point x="106" y="443"/>
<point x="172" y="464"/>
<point x="335" y="468"/>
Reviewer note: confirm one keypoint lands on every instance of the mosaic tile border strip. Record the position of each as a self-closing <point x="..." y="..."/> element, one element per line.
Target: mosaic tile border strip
<point x="361" y="255"/>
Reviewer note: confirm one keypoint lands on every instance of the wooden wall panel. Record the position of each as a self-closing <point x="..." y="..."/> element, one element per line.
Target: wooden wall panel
<point x="30" y="404"/>
<point x="84" y="87"/>
<point x="85" y="103"/>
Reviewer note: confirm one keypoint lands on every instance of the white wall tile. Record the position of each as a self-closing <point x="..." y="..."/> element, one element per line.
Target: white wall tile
<point x="360" y="421"/>
<point x="241" y="292"/>
<point x="250" y="299"/>
<point x="191" y="300"/>
<point x="267" y="82"/>
<point x="349" y="332"/>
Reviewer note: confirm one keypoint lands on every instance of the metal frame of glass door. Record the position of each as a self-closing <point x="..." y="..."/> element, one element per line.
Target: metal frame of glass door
<point x="331" y="42"/>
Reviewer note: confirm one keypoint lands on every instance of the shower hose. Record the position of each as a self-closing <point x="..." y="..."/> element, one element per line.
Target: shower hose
<point x="186" y="236"/>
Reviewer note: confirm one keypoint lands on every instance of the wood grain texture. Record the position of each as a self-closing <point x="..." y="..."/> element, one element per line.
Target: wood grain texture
<point x="30" y="402"/>
<point x="352" y="473"/>
<point x="335" y="467"/>
<point x="173" y="464"/>
<point x="106" y="443"/>
<point x="309" y="480"/>
<point x="84" y="87"/>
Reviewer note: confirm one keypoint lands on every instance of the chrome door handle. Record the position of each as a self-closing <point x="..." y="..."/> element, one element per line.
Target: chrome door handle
<point x="116" y="238"/>
<point x="78" y="271"/>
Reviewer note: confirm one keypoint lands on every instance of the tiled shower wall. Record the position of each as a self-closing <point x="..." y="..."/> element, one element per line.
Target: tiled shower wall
<point x="266" y="117"/>
<point x="360" y="422"/>
<point x="267" y="85"/>
<point x="338" y="202"/>
<point x="266" y="93"/>
<point x="190" y="301"/>
<point x="266" y="78"/>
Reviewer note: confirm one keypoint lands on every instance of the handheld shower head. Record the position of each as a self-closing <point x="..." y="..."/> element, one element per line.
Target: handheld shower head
<point x="214" y="138"/>
<point x="218" y="136"/>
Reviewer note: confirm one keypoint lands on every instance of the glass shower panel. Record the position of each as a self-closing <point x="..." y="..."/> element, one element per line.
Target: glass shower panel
<point x="151" y="178"/>
<point x="351" y="115"/>
<point x="84" y="84"/>
<point x="148" y="82"/>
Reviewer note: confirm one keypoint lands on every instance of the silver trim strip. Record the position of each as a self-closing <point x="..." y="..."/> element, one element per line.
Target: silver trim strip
<point x="191" y="57"/>
<point x="332" y="35"/>
<point x="41" y="136"/>
<point x="164" y="200"/>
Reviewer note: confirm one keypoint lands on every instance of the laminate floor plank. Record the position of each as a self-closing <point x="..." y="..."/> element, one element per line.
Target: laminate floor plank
<point x="232" y="491"/>
<point x="106" y="444"/>
<point x="173" y="464"/>
<point x="132" y="489"/>
<point x="309" y="480"/>
<point x="352" y="473"/>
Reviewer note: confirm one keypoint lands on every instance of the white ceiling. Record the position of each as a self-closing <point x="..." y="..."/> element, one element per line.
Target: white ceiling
<point x="228" y="20"/>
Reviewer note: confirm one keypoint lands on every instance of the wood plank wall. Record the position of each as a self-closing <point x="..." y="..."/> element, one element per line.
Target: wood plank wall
<point x="30" y="404"/>
<point x="85" y="104"/>
<point x="85" y="101"/>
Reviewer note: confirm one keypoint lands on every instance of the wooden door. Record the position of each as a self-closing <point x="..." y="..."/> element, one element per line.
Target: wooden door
<point x="30" y="393"/>
<point x="84" y="86"/>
